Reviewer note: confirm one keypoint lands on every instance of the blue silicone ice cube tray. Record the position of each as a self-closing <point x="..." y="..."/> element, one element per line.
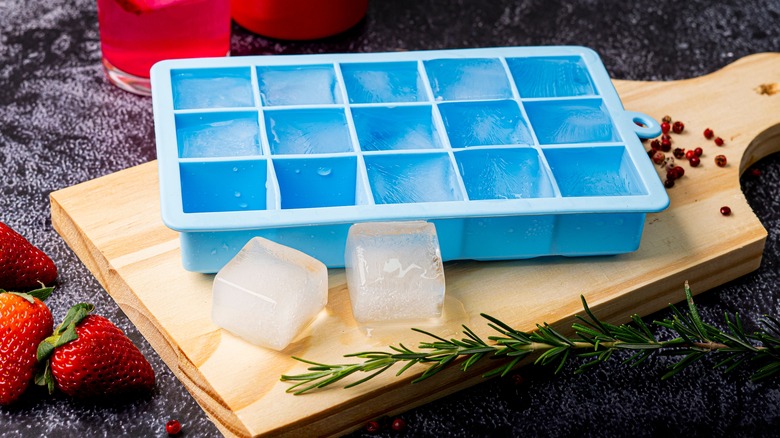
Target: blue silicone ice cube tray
<point x="512" y="152"/>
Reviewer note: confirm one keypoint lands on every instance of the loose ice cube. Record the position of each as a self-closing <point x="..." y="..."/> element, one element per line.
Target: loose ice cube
<point x="268" y="293"/>
<point x="394" y="271"/>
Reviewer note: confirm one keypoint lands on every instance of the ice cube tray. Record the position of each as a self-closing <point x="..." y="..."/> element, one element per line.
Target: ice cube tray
<point x="512" y="152"/>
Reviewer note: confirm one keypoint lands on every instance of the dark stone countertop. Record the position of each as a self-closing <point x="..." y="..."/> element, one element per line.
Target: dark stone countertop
<point x="62" y="123"/>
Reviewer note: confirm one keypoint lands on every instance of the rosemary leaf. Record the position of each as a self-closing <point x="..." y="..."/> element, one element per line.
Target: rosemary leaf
<point x="695" y="318"/>
<point x="370" y="376"/>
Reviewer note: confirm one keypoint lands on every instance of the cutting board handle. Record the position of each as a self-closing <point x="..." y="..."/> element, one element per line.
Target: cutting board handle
<point x="740" y="103"/>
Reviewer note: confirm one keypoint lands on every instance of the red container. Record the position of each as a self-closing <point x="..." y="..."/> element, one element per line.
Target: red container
<point x="297" y="19"/>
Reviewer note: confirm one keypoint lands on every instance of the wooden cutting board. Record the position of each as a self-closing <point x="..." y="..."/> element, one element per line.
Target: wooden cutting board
<point x="113" y="224"/>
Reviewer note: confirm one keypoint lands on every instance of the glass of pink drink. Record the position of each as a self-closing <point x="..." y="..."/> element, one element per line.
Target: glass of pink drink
<point x="135" y="34"/>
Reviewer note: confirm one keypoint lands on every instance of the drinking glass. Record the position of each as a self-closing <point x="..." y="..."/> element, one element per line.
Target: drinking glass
<point x="135" y="34"/>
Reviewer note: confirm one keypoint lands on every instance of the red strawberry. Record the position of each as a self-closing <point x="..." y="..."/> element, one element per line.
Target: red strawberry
<point x="24" y="322"/>
<point x="22" y="265"/>
<point x="91" y="358"/>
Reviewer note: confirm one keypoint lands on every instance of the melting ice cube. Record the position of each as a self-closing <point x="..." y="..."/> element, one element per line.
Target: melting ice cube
<point x="268" y="293"/>
<point x="394" y="271"/>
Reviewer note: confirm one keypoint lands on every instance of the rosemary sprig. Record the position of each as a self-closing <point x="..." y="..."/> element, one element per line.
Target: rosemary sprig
<point x="595" y="342"/>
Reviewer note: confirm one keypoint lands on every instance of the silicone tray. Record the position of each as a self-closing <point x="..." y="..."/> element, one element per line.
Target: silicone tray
<point x="511" y="152"/>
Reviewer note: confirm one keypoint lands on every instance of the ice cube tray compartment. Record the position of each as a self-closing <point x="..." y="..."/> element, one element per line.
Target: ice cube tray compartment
<point x="212" y="88"/>
<point x="412" y="178"/>
<point x="307" y="131"/>
<point x="378" y="82"/>
<point x="317" y="182"/>
<point x="504" y="174"/>
<point x="223" y="134"/>
<point x="394" y="128"/>
<point x="467" y="79"/>
<point x="485" y="123"/>
<point x="298" y="85"/>
<point x="551" y="76"/>
<point x="223" y="186"/>
<point x="511" y="152"/>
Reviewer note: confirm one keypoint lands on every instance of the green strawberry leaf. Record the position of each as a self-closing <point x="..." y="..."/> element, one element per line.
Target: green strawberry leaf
<point x="41" y="293"/>
<point x="65" y="332"/>
<point x="75" y="315"/>
<point x="26" y="296"/>
<point x="68" y="335"/>
<point x="45" y="350"/>
<point x="45" y="378"/>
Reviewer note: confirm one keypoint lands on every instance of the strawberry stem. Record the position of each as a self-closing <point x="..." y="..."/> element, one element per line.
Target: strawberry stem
<point x="75" y="315"/>
<point x="64" y="333"/>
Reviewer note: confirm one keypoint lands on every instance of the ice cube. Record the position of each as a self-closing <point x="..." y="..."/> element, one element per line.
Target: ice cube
<point x="394" y="271"/>
<point x="383" y="82"/>
<point x="403" y="178"/>
<point x="224" y="138"/>
<point x="495" y="122"/>
<point x="268" y="293"/>
<point x="191" y="90"/>
<point x="571" y="121"/>
<point x="409" y="127"/>
<point x="551" y="76"/>
<point x="298" y="85"/>
<point x="308" y="131"/>
<point x="468" y="79"/>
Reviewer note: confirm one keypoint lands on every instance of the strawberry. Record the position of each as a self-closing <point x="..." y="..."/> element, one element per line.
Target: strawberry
<point x="89" y="357"/>
<point x="24" y="322"/>
<point x="22" y="265"/>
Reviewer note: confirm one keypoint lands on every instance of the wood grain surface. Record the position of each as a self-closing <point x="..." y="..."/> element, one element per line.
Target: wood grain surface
<point x="113" y="224"/>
